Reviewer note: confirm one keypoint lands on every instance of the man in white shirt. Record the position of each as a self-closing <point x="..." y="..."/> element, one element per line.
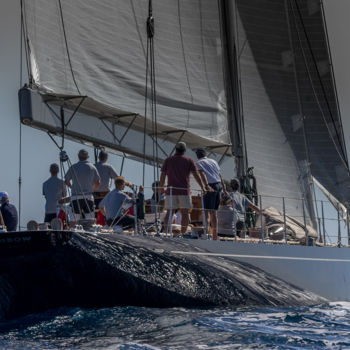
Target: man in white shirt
<point x="210" y="174"/>
<point x="85" y="179"/>
<point x="113" y="204"/>
<point x="53" y="190"/>
<point x="107" y="173"/>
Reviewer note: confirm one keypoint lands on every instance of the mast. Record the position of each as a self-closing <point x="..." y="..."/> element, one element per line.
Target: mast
<point x="232" y="85"/>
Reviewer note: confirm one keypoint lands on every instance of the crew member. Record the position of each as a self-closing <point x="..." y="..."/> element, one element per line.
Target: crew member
<point x="177" y="169"/>
<point x="107" y="173"/>
<point x="210" y="174"/>
<point x="113" y="204"/>
<point x="227" y="217"/>
<point x="54" y="189"/>
<point x="86" y="180"/>
<point x="8" y="212"/>
<point x="240" y="203"/>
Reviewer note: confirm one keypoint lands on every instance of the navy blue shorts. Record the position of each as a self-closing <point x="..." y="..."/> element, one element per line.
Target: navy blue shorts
<point x="212" y="199"/>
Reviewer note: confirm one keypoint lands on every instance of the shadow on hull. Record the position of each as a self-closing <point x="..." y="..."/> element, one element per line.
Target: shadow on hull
<point x="72" y="269"/>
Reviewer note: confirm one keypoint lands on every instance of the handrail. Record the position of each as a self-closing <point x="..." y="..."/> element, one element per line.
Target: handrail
<point x="324" y="222"/>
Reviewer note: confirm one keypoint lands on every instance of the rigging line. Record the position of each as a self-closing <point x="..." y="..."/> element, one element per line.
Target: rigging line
<point x="323" y="15"/>
<point x="314" y="90"/>
<point x="301" y="111"/>
<point x="320" y="80"/>
<point x="145" y="116"/>
<point x="150" y="34"/>
<point x="184" y="59"/>
<point x="66" y="44"/>
<point x="154" y="101"/>
<point x="25" y="38"/>
<point x="74" y="177"/>
<point x="137" y="27"/>
<point x="20" y="128"/>
<point x="238" y="84"/>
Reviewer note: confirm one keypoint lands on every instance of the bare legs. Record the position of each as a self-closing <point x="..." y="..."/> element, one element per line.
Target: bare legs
<point x="185" y="220"/>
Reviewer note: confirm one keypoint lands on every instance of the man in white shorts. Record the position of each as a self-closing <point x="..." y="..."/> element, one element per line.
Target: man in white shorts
<point x="177" y="169"/>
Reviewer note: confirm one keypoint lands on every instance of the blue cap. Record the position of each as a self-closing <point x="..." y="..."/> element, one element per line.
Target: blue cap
<point x="3" y="195"/>
<point x="200" y="151"/>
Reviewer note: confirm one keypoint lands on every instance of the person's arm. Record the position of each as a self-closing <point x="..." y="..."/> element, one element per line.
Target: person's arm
<point x="97" y="179"/>
<point x="2" y="222"/>
<point x="199" y="181"/>
<point x="161" y="183"/>
<point x="223" y="185"/>
<point x="103" y="211"/>
<point x="203" y="178"/>
<point x="254" y="207"/>
<point x="112" y="173"/>
<point x="96" y="184"/>
<point x="129" y="184"/>
<point x="102" y="205"/>
<point x="68" y="178"/>
<point x="257" y="209"/>
<point x="68" y="183"/>
<point x="203" y="183"/>
<point x="249" y="204"/>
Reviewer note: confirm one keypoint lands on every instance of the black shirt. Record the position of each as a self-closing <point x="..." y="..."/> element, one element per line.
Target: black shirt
<point x="10" y="216"/>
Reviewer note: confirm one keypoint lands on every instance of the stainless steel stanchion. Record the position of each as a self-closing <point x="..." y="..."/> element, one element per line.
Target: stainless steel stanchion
<point x="170" y="218"/>
<point x="323" y="224"/>
<point x="347" y="224"/>
<point x="339" y="228"/>
<point x="261" y="220"/>
<point x="134" y="190"/>
<point x="306" y="230"/>
<point x="235" y="225"/>
<point x="284" y="220"/>
<point x="204" y="219"/>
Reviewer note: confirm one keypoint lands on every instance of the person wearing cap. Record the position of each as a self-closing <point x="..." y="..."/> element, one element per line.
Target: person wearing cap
<point x="113" y="204"/>
<point x="240" y="203"/>
<point x="107" y="173"/>
<point x="8" y="212"/>
<point x="210" y="174"/>
<point x="177" y="169"/>
<point x="54" y="189"/>
<point x="86" y="180"/>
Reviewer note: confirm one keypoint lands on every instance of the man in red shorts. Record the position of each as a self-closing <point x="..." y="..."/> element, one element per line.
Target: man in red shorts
<point x="178" y="169"/>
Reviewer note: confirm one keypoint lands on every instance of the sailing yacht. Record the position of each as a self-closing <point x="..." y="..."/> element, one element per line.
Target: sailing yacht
<point x="249" y="81"/>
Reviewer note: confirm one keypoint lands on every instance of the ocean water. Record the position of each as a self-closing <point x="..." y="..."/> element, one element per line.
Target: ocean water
<point x="325" y="326"/>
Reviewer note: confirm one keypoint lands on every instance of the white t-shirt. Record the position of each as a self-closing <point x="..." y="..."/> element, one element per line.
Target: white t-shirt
<point x="211" y="169"/>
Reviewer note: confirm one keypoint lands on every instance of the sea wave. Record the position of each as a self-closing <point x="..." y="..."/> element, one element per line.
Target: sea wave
<point x="318" y="327"/>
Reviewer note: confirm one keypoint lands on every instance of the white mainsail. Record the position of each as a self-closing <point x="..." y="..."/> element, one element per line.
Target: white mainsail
<point x="99" y="49"/>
